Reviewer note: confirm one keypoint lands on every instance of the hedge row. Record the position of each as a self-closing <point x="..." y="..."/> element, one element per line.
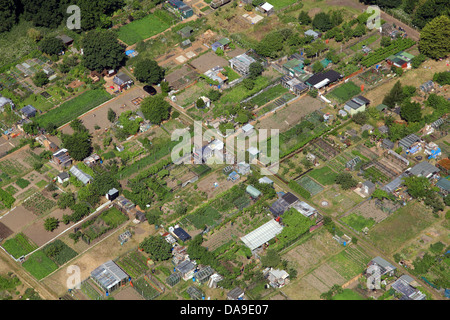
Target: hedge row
<point x="299" y="189"/>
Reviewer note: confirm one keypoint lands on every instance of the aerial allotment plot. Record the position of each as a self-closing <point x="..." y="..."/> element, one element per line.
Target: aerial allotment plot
<point x="225" y="150"/>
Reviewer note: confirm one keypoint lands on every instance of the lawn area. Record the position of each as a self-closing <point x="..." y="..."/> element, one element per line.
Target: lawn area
<point x="403" y="225"/>
<point x="365" y="42"/>
<point x="113" y="217"/>
<point x="231" y="74"/>
<point x="324" y="176"/>
<point x="269" y="95"/>
<point x="239" y="92"/>
<point x="348" y="294"/>
<point x="358" y="222"/>
<point x="344" y="92"/>
<point x="39" y="265"/>
<point x="19" y="245"/>
<point x="73" y="108"/>
<point x="279" y="4"/>
<point x="143" y="28"/>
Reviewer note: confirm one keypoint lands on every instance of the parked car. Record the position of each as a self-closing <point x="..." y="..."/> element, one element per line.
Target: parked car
<point x="150" y="90"/>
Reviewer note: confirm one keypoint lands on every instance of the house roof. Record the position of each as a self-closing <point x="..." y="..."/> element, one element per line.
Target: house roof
<point x="109" y="274"/>
<point x="369" y="184"/>
<point x="4" y="100"/>
<point x="180" y="233"/>
<point x="247" y="127"/>
<point x="265" y="180"/>
<point x="383" y="263"/>
<point x="235" y="293"/>
<point x="224" y="41"/>
<point x="407" y="141"/>
<point x="289" y="198"/>
<point x="304" y="208"/>
<point x="323" y="78"/>
<point x="121" y="78"/>
<point x="279" y="207"/>
<point x="388" y="143"/>
<point x="267" y="6"/>
<point x="185" y="266"/>
<point x="311" y="32"/>
<point x="64" y="38"/>
<point x="443" y="184"/>
<point x="242" y="61"/>
<point x="63" y="175"/>
<point x="261" y="235"/>
<point x="424" y="169"/>
<point x="381" y="107"/>
<point x="28" y="110"/>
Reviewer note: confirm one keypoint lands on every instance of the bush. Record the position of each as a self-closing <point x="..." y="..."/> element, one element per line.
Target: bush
<point x="22" y="183"/>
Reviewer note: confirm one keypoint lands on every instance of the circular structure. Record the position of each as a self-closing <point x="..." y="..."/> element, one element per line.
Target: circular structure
<point x="324" y="203"/>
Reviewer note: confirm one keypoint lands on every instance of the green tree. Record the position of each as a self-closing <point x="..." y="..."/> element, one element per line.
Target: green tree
<point x="66" y="200"/>
<point x="322" y="21"/>
<point x="102" y="50"/>
<point x="148" y="71"/>
<point x="271" y="259"/>
<point x="317" y="67"/>
<point x="429" y="10"/>
<point x="417" y="186"/>
<point x="255" y="70"/>
<point x="111" y="115"/>
<point x="346" y="180"/>
<point x="40" y="79"/>
<point x="248" y="83"/>
<point x="385" y="41"/>
<point x="304" y="18"/>
<point x="78" y="144"/>
<point x="8" y="15"/>
<point x="395" y="96"/>
<point x="156" y="109"/>
<point x="51" y="45"/>
<point x="411" y="111"/>
<point x="51" y="224"/>
<point x="157" y="247"/>
<point x="434" y="38"/>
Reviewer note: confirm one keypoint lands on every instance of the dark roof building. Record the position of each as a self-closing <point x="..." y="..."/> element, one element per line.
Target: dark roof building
<point x="181" y="234"/>
<point x="236" y="294"/>
<point x="385" y="266"/>
<point x="423" y="169"/>
<point x="408" y="141"/>
<point x="28" y="111"/>
<point x="320" y="80"/>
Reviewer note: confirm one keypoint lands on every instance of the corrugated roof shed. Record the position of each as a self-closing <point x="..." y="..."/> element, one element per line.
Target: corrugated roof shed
<point x="408" y="141"/>
<point x="424" y="169"/>
<point x="255" y="193"/>
<point x="80" y="175"/>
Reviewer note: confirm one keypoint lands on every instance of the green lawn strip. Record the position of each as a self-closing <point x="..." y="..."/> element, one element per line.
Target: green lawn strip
<point x="344" y="92"/>
<point x="348" y="294"/>
<point x="324" y="176"/>
<point x="142" y="29"/>
<point x="73" y="108"/>
<point x="358" y="222"/>
<point x="365" y="42"/>
<point x="39" y="265"/>
<point x="404" y="225"/>
<point x="41" y="184"/>
<point x="19" y="245"/>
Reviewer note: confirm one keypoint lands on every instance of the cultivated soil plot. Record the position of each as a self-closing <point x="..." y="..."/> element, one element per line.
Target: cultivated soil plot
<point x="18" y="218"/>
<point x="208" y="61"/>
<point x="291" y="114"/>
<point x="369" y="210"/>
<point x="99" y="116"/>
<point x="208" y="184"/>
<point x="128" y="293"/>
<point x="37" y="233"/>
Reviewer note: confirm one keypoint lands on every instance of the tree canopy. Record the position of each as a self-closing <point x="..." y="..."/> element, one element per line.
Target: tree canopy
<point x="78" y="144"/>
<point x="148" y="71"/>
<point x="434" y="38"/>
<point x="51" y="45"/>
<point x="157" y="247"/>
<point x="102" y="50"/>
<point x="156" y="109"/>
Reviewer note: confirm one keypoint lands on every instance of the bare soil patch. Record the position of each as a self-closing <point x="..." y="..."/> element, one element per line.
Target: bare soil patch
<point x="18" y="218"/>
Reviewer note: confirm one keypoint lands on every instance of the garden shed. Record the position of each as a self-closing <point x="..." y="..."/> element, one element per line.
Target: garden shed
<point x="195" y="293"/>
